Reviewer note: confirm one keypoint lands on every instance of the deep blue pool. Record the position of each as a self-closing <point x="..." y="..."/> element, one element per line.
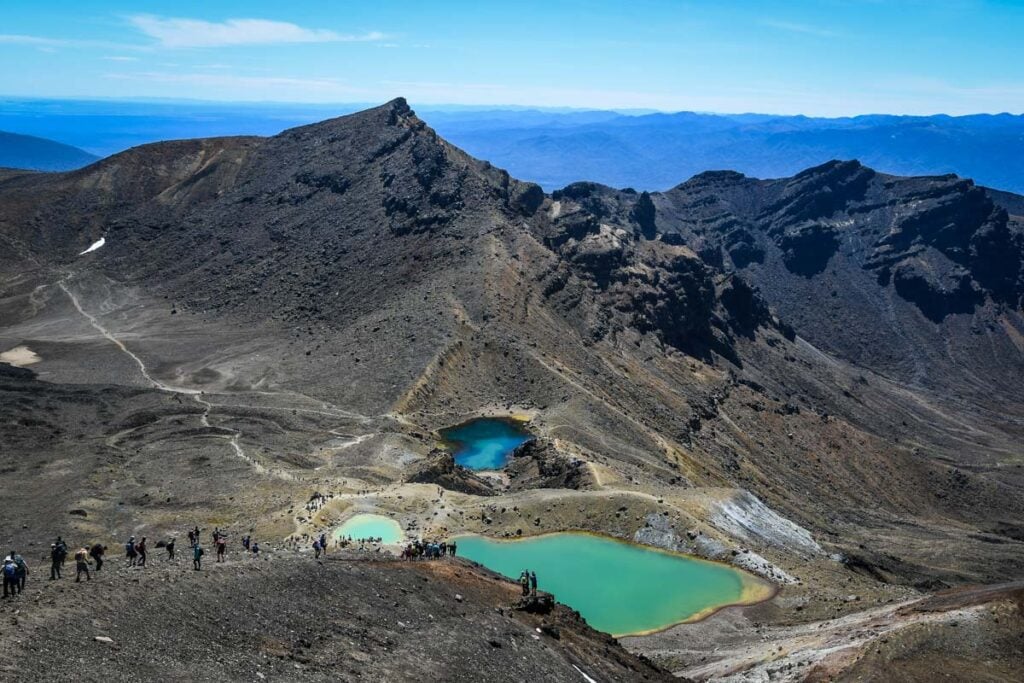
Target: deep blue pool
<point x="485" y="443"/>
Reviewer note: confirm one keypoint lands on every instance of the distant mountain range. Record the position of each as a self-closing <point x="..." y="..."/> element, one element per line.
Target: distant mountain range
<point x="555" y="148"/>
<point x="40" y="154"/>
<point x="653" y="152"/>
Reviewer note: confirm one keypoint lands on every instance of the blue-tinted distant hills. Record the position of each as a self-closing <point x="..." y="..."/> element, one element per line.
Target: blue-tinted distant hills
<point x="659" y="151"/>
<point x="651" y="151"/>
<point x="39" y="154"/>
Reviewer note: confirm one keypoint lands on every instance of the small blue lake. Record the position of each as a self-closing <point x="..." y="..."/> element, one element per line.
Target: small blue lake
<point x="371" y="526"/>
<point x="485" y="443"/>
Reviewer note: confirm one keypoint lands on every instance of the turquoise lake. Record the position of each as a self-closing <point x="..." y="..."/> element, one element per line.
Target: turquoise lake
<point x="371" y="526"/>
<point x="620" y="588"/>
<point x="486" y="443"/>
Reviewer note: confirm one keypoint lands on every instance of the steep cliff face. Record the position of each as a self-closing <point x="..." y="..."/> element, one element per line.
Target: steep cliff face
<point x="605" y="240"/>
<point x="862" y="263"/>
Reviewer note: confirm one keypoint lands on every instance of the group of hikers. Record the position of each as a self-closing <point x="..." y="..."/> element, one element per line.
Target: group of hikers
<point x="15" y="568"/>
<point x="15" y="572"/>
<point x="320" y="546"/>
<point x="429" y="550"/>
<point x="528" y="582"/>
<point x="135" y="551"/>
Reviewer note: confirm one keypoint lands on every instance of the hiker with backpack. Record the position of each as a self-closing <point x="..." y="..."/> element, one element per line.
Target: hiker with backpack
<point x="62" y="550"/>
<point x="21" y="570"/>
<point x="524" y="582"/>
<point x="169" y="547"/>
<point x="56" y="560"/>
<point x="130" y="553"/>
<point x="222" y="546"/>
<point x="323" y="544"/>
<point x="82" y="565"/>
<point x="533" y="584"/>
<point x="10" y="577"/>
<point x="141" y="550"/>
<point x="197" y="556"/>
<point x="316" y="549"/>
<point x="96" y="552"/>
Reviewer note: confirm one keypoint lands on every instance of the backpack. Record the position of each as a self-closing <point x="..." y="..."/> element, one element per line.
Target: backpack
<point x="10" y="570"/>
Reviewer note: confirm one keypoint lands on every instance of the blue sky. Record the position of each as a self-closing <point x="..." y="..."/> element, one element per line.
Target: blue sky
<point x="815" y="57"/>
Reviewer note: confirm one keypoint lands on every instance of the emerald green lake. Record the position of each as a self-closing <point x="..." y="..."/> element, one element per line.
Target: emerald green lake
<point x="620" y="588"/>
<point x="485" y="443"/>
<point x="371" y="526"/>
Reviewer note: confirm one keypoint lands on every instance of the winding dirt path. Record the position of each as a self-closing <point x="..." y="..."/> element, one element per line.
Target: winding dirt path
<point x="195" y="394"/>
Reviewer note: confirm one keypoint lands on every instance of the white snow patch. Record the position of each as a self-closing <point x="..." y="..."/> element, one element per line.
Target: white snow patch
<point x="95" y="245"/>
<point x="745" y="516"/>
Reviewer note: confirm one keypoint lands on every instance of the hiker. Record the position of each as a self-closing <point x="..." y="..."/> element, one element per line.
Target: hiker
<point x="197" y="556"/>
<point x="451" y="548"/>
<point x="524" y="582"/>
<point x="96" y="553"/>
<point x="10" y="577"/>
<point x="169" y="547"/>
<point x="245" y="542"/>
<point x="22" y="569"/>
<point x="323" y="543"/>
<point x="82" y="565"/>
<point x="62" y="550"/>
<point x="195" y="533"/>
<point x="533" y="584"/>
<point x="55" y="562"/>
<point x="222" y="546"/>
<point x="255" y="549"/>
<point x="316" y="549"/>
<point x="216" y="534"/>
<point x="130" y="552"/>
<point x="191" y="538"/>
<point x="141" y="550"/>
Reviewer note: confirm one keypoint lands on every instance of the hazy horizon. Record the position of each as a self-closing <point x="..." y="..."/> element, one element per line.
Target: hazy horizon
<point x="350" y="106"/>
<point x="821" y="58"/>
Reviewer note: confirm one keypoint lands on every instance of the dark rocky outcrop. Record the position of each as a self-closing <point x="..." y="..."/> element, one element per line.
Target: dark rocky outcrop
<point x="439" y="468"/>
<point x="866" y="265"/>
<point x="537" y="464"/>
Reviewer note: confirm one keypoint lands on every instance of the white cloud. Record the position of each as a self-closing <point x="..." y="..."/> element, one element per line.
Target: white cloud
<point x="45" y="42"/>
<point x="17" y="39"/>
<point x="177" y="32"/>
<point x="121" y="58"/>
<point x="806" y="29"/>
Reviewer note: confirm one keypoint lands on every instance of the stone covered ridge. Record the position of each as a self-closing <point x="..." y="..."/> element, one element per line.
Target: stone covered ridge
<point x="940" y="242"/>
